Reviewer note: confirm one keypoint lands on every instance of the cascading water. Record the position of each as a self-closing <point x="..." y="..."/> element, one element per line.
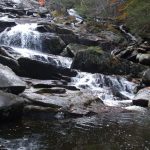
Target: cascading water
<point x="25" y="40"/>
<point x="130" y="36"/>
<point x="22" y="36"/>
<point x="113" y="90"/>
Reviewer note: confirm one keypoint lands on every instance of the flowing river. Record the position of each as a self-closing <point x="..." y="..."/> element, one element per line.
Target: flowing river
<point x="128" y="130"/>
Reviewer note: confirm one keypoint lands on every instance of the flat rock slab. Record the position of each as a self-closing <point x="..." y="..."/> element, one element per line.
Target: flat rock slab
<point x="10" y="82"/>
<point x="71" y="102"/>
<point x="11" y="106"/>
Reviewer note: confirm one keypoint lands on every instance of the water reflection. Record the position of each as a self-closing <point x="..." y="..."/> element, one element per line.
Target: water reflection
<point x="107" y="132"/>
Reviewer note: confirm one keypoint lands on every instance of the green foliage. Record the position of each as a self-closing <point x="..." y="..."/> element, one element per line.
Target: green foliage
<point x="95" y="49"/>
<point x="139" y="16"/>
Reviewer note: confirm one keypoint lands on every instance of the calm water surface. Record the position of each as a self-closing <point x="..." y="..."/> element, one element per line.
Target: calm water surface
<point x="124" y="131"/>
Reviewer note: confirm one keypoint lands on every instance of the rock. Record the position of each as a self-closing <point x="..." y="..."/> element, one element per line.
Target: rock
<point x="112" y="37"/>
<point x="11" y="106"/>
<point x="52" y="43"/>
<point x="67" y="35"/>
<point x="40" y="112"/>
<point x="49" y="84"/>
<point x="144" y="59"/>
<point x="10" y="82"/>
<point x="6" y="24"/>
<point x="71" y="102"/>
<point x="51" y="90"/>
<point x="11" y="63"/>
<point x="141" y="102"/>
<point x="72" y="48"/>
<point x="89" y="40"/>
<point x="5" y="52"/>
<point x="53" y="28"/>
<point x="142" y="98"/>
<point x="146" y="77"/>
<point x="69" y="38"/>
<point x="102" y="62"/>
<point x="41" y="70"/>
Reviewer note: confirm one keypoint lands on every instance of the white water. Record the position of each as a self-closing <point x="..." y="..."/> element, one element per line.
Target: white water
<point x="59" y="60"/>
<point x="16" y="1"/>
<point x="72" y="12"/>
<point x="108" y="88"/>
<point x="133" y="38"/>
<point x="6" y="18"/>
<point x="22" y="36"/>
<point x="113" y="90"/>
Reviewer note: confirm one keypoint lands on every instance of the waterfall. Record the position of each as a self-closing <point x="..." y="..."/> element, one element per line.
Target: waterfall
<point x="111" y="89"/>
<point x="22" y="36"/>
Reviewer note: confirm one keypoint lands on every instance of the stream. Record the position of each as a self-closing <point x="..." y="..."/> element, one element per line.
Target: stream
<point x="128" y="130"/>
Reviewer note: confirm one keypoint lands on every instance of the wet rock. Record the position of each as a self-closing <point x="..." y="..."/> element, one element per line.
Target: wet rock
<point x="102" y="62"/>
<point x="142" y="98"/>
<point x="52" y="43"/>
<point x="146" y="77"/>
<point x="53" y="28"/>
<point x="10" y="82"/>
<point x="41" y="112"/>
<point x="5" y="52"/>
<point x="50" y="84"/>
<point x="11" y="63"/>
<point x="67" y="35"/>
<point x="51" y="90"/>
<point x="11" y="106"/>
<point x="71" y="102"/>
<point x="6" y="24"/>
<point x="41" y="70"/>
<point x="141" y="102"/>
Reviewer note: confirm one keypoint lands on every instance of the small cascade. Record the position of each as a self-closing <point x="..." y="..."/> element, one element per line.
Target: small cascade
<point x="22" y="36"/>
<point x="111" y="89"/>
<point x="130" y="36"/>
<point x="78" y="18"/>
<point x="53" y="59"/>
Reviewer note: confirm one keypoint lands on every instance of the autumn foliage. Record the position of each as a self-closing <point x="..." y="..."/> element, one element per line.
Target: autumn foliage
<point x="42" y="2"/>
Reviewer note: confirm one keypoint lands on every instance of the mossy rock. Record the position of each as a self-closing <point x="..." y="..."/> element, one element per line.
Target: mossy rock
<point x="101" y="62"/>
<point x="72" y="49"/>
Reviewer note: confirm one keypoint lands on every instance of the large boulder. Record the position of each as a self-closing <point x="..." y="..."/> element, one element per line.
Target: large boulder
<point x="42" y="70"/>
<point x="101" y="62"/>
<point x="11" y="106"/>
<point x="9" y="81"/>
<point x="67" y="35"/>
<point x="53" y="28"/>
<point x="70" y="102"/>
<point x="51" y="43"/>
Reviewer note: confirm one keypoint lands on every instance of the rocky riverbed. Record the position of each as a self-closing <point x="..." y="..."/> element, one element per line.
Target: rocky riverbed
<point x="56" y="68"/>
